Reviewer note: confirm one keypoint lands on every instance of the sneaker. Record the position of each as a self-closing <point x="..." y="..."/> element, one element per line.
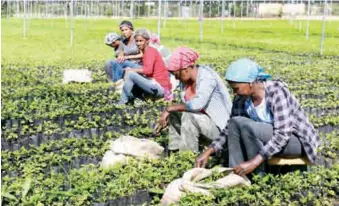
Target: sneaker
<point x="119" y="87"/>
<point x="119" y="82"/>
<point x="121" y="102"/>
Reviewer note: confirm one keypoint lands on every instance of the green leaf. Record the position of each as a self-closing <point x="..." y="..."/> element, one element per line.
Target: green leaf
<point x="26" y="186"/>
<point x="157" y="190"/>
<point x="8" y="196"/>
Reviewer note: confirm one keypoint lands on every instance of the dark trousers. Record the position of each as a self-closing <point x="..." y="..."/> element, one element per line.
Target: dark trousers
<point x="246" y="138"/>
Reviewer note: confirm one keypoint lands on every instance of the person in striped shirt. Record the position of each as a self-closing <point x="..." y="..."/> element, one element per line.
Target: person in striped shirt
<point x="206" y="103"/>
<point x="266" y="120"/>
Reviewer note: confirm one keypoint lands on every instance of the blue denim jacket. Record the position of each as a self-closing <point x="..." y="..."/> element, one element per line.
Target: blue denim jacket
<point x="211" y="96"/>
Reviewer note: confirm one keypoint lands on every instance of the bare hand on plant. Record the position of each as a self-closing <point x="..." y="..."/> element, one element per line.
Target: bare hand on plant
<point x="162" y="123"/>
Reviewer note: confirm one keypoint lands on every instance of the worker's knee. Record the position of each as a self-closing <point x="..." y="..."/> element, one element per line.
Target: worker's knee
<point x="131" y="76"/>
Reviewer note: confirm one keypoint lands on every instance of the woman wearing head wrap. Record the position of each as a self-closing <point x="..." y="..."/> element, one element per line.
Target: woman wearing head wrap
<point x="127" y="53"/>
<point x="267" y="120"/>
<point x="151" y="78"/>
<point x="206" y="103"/>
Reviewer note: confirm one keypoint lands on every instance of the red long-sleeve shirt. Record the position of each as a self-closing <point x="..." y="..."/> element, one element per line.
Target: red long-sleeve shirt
<point x="154" y="67"/>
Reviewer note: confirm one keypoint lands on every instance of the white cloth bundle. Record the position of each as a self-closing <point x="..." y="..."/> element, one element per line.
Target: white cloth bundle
<point x="190" y="182"/>
<point x="126" y="146"/>
<point x="76" y="75"/>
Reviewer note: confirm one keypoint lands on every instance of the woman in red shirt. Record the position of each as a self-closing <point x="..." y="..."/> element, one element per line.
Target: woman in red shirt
<point x="152" y="78"/>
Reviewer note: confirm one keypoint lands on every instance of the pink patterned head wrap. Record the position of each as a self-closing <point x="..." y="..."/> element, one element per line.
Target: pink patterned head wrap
<point x="154" y="39"/>
<point x="182" y="58"/>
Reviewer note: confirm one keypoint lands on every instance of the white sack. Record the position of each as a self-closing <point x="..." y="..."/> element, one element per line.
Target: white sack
<point x="125" y="146"/>
<point x="75" y="75"/>
<point x="132" y="146"/>
<point x="191" y="182"/>
<point x="111" y="159"/>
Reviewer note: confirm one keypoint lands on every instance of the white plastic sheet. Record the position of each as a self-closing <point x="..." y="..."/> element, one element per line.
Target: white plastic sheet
<point x="74" y="75"/>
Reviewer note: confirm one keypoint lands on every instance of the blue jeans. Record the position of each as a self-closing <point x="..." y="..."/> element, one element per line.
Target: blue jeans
<point x="118" y="68"/>
<point x="144" y="85"/>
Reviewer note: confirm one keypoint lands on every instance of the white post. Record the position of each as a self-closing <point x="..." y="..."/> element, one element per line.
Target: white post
<point x="138" y="14"/>
<point x="17" y="7"/>
<point x="122" y="8"/>
<point x="201" y="18"/>
<point x="116" y="8"/>
<point x="247" y="7"/>
<point x="331" y="7"/>
<point x="191" y="8"/>
<point x="323" y="28"/>
<point x="308" y="18"/>
<point x="25" y="19"/>
<point x="241" y="8"/>
<point x="51" y="8"/>
<point x="165" y="13"/>
<point x="113" y="10"/>
<point x="219" y="9"/>
<point x="83" y="10"/>
<point x="131" y="9"/>
<point x="72" y="23"/>
<point x="222" y="15"/>
<point x="45" y="6"/>
<point x="229" y="10"/>
<point x="179" y="11"/>
<point x="98" y="9"/>
<point x="65" y="13"/>
<point x="300" y="24"/>
<point x="7" y="8"/>
<point x="159" y="17"/>
<point x="210" y="13"/>
<point x="234" y="10"/>
<point x="181" y="14"/>
<point x="148" y="9"/>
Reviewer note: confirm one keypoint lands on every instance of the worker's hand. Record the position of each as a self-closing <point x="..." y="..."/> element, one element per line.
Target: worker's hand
<point x="157" y="129"/>
<point x="247" y="167"/>
<point x="163" y="120"/>
<point x="202" y="159"/>
<point x="128" y="69"/>
<point x="162" y="123"/>
<point x="121" y="58"/>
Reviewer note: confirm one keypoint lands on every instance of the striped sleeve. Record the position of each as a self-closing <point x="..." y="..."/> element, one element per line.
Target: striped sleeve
<point x="282" y="122"/>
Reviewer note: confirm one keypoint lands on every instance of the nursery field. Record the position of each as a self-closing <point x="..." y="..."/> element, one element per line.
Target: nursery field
<point x="53" y="136"/>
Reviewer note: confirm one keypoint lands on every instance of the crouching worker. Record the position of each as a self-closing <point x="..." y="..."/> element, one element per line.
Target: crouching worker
<point x="152" y="78"/>
<point x="270" y="122"/>
<point x="206" y="106"/>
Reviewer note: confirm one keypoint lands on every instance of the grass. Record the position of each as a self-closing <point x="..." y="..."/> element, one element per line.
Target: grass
<point x="48" y="40"/>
